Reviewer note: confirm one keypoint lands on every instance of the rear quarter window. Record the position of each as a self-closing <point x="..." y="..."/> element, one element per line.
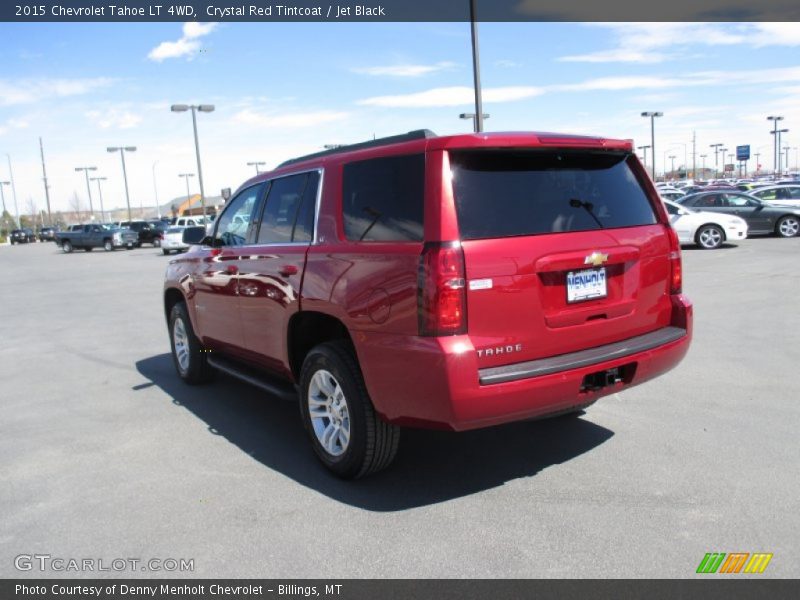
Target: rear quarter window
<point x="501" y="193"/>
<point x="383" y="199"/>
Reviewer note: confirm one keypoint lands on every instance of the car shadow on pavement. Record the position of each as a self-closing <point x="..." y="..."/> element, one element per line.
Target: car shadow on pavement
<point x="431" y="466"/>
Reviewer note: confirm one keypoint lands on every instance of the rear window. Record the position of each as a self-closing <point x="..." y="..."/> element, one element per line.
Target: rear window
<point x="511" y="193"/>
<point x="383" y="199"/>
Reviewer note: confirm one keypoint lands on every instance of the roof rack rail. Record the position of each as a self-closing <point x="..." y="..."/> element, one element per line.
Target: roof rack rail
<point x="417" y="134"/>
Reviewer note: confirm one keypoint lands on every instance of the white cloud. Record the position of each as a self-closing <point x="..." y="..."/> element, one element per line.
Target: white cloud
<point x="507" y="64"/>
<point x="27" y="91"/>
<point x="249" y="116"/>
<point x="404" y="70"/>
<point x="451" y="96"/>
<point x="114" y="119"/>
<point x="188" y="45"/>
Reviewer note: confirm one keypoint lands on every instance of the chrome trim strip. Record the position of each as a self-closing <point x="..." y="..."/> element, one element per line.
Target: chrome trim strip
<point x="583" y="358"/>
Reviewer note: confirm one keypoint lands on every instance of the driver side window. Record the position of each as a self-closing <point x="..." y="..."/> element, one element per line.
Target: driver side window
<point x="233" y="226"/>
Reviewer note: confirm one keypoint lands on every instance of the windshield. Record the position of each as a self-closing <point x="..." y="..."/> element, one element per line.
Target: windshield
<point x="502" y="193"/>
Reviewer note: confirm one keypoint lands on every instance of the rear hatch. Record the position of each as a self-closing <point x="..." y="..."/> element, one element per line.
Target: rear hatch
<point x="563" y="251"/>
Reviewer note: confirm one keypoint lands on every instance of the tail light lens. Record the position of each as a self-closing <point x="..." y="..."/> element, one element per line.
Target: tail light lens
<point x="441" y="293"/>
<point x="676" y="269"/>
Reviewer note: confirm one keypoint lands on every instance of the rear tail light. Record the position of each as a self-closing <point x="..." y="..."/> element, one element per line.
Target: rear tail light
<point x="676" y="269"/>
<point x="441" y="293"/>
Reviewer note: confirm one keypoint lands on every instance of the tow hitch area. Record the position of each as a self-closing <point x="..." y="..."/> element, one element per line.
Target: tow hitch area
<point x="596" y="381"/>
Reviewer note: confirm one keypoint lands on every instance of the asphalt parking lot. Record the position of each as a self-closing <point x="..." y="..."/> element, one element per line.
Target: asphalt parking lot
<point x="105" y="454"/>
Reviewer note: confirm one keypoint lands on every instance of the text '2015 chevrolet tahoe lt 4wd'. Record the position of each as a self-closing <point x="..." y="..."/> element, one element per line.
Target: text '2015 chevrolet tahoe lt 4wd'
<point x="453" y="282"/>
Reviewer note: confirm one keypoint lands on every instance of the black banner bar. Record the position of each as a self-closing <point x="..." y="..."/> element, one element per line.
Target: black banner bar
<point x="397" y="10"/>
<point x="712" y="588"/>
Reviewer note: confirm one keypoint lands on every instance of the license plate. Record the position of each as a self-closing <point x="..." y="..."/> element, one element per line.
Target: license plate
<point x="586" y="284"/>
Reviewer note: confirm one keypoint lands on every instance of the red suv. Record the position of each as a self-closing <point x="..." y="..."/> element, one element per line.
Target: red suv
<point x="452" y="282"/>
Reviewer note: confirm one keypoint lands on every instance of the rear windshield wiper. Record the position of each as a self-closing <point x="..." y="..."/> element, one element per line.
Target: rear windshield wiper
<point x="588" y="206"/>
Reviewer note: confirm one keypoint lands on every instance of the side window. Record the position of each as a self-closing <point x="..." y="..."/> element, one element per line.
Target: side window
<point x="736" y="201"/>
<point x="766" y="194"/>
<point x="280" y="212"/>
<point x="304" y="225"/>
<point x="795" y="193"/>
<point x="233" y="224"/>
<point x="673" y="210"/>
<point x="383" y="199"/>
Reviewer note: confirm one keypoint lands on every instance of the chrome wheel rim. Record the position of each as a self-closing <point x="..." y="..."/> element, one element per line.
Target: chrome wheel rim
<point x="790" y="227"/>
<point x="710" y="237"/>
<point x="330" y="416"/>
<point x="181" y="341"/>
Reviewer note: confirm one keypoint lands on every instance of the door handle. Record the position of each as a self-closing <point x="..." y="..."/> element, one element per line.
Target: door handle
<point x="231" y="269"/>
<point x="287" y="270"/>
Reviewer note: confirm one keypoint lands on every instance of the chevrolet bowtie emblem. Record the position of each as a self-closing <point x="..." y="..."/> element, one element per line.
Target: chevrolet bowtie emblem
<point x="596" y="259"/>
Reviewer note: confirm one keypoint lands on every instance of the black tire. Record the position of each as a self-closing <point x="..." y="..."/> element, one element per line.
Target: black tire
<point x="196" y="369"/>
<point x="156" y="243"/>
<point x="709" y="237"/>
<point x="372" y="443"/>
<point x="108" y="245"/>
<point x="66" y="246"/>
<point x="787" y="226"/>
<point x="165" y="251"/>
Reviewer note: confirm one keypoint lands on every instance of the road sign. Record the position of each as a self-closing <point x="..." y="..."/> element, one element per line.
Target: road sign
<point x="729" y="168"/>
<point x="743" y="152"/>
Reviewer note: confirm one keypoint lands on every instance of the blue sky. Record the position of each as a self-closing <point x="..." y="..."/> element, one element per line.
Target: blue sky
<point x="284" y="89"/>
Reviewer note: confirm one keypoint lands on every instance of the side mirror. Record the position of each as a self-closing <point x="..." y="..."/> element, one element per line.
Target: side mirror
<point x="194" y="235"/>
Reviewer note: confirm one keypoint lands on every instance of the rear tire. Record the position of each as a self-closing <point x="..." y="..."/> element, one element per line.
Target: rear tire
<point x="165" y="251"/>
<point x="66" y="247"/>
<point x="156" y="243"/>
<point x="787" y="226"/>
<point x="188" y="355"/>
<point x="709" y="237"/>
<point x="108" y="246"/>
<point x="347" y="435"/>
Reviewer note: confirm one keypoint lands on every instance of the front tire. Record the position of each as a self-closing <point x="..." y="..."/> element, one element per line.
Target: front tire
<point x="66" y="247"/>
<point x="709" y="237"/>
<point x="188" y="355"/>
<point x="165" y="251"/>
<point x="108" y="246"/>
<point x="787" y="227"/>
<point x="347" y="435"/>
<point x="156" y="243"/>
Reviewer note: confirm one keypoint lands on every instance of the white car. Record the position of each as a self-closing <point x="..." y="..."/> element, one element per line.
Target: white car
<point x="173" y="240"/>
<point x="706" y="229"/>
<point x="671" y="194"/>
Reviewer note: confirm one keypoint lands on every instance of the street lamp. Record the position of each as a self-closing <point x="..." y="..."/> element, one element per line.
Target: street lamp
<point x="88" y="189"/>
<point x="775" y="144"/>
<point x="194" y="108"/>
<point x="703" y="156"/>
<point x="2" y="194"/>
<point x="653" y="116"/>
<point x="186" y="177"/>
<point x="723" y="150"/>
<point x="644" y="152"/>
<point x="472" y="116"/>
<point x="257" y="163"/>
<point x="716" y="148"/>
<point x="122" y="150"/>
<point x="476" y="69"/>
<point x="786" y="151"/>
<point x="100" y="194"/>
<point x="672" y="169"/>
<point x="777" y="133"/>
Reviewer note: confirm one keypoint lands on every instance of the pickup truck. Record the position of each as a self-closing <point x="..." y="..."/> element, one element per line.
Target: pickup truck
<point x="94" y="236"/>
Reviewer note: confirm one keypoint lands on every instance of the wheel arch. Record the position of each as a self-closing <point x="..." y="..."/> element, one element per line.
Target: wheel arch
<point x="711" y="224"/>
<point x="307" y="329"/>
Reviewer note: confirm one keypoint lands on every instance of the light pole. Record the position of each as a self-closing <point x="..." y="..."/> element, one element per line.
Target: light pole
<point x="786" y="151"/>
<point x="672" y="169"/>
<point x="155" y="189"/>
<point x="476" y="69"/>
<point x="472" y="116"/>
<point x="777" y="133"/>
<point x="194" y="108"/>
<point x="122" y="150"/>
<point x="775" y="119"/>
<point x="14" y="189"/>
<point x="716" y="148"/>
<point x="2" y="195"/>
<point x="703" y="156"/>
<point x="653" y="116"/>
<point x="644" y="152"/>
<point x="262" y="163"/>
<point x="88" y="189"/>
<point x="100" y="195"/>
<point x="723" y="150"/>
<point x="186" y="177"/>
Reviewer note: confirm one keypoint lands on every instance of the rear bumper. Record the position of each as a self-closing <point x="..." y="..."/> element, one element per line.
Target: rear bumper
<point x="435" y="382"/>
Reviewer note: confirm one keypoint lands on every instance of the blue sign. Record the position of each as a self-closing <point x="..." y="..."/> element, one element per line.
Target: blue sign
<point x="743" y="152"/>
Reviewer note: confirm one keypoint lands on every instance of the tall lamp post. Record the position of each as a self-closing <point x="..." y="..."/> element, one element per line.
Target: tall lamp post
<point x="786" y="151"/>
<point x="672" y="169"/>
<point x="703" y="156"/>
<point x="653" y="116"/>
<point x="88" y="188"/>
<point x="644" y="153"/>
<point x="716" y="148"/>
<point x="775" y="119"/>
<point x="476" y="69"/>
<point x="257" y="163"/>
<point x="100" y="195"/>
<point x="194" y="108"/>
<point x="122" y="150"/>
<point x="186" y="177"/>
<point x="778" y="160"/>
<point x="723" y="150"/>
<point x="2" y="194"/>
